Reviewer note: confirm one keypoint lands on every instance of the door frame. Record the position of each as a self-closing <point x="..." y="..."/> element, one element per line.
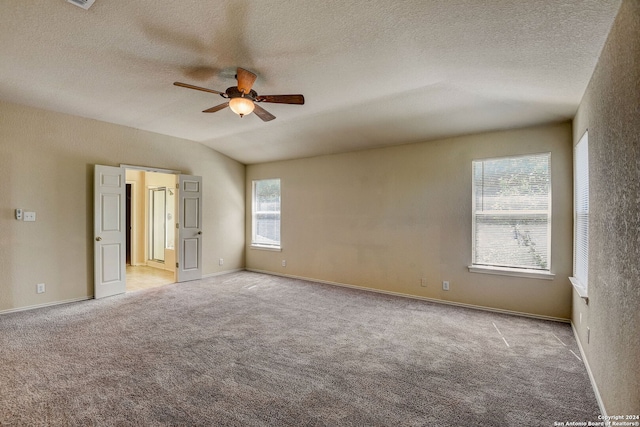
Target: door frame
<point x="178" y="214"/>
<point x="136" y="227"/>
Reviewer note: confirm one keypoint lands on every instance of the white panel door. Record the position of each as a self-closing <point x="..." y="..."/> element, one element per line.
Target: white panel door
<point x="109" y="202"/>
<point x="190" y="228"/>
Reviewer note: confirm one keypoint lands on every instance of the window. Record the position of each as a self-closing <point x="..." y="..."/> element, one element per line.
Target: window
<point x="266" y="213"/>
<point x="512" y="213"/>
<point x="581" y="215"/>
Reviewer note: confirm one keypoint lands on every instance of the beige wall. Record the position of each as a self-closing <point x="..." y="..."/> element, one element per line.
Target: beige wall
<point x="610" y="110"/>
<point x="386" y="218"/>
<point x="46" y="165"/>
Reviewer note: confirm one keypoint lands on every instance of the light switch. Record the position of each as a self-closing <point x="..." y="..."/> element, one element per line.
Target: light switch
<point x="29" y="216"/>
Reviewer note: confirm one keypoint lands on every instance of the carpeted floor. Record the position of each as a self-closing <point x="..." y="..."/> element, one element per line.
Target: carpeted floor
<point x="246" y="349"/>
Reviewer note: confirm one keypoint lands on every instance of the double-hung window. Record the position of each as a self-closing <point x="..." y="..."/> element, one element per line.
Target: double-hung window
<point x="581" y="216"/>
<point x="266" y="214"/>
<point x="512" y="214"/>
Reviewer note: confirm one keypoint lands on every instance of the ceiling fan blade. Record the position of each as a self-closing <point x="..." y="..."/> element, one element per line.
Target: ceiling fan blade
<point x="281" y="99"/>
<point x="263" y="114"/>
<point x="245" y="80"/>
<point x="216" y="108"/>
<point x="204" y="89"/>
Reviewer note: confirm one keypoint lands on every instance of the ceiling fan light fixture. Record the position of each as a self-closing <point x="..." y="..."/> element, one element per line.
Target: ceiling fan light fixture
<point x="241" y="99"/>
<point x="241" y="106"/>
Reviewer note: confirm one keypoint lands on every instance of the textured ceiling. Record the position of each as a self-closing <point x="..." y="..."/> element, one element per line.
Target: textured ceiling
<point x="373" y="72"/>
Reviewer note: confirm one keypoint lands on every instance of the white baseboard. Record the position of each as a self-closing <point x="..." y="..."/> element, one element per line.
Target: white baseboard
<point x="603" y="410"/>
<point x="220" y="273"/>
<point x="435" y="300"/>
<point x="48" y="304"/>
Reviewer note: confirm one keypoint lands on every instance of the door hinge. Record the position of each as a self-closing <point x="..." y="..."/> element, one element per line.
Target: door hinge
<point x="177" y="186"/>
<point x="177" y="225"/>
<point x="177" y="265"/>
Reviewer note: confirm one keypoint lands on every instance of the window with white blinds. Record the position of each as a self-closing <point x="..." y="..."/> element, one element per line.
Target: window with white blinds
<point x="266" y="213"/>
<point x="512" y="212"/>
<point x="581" y="212"/>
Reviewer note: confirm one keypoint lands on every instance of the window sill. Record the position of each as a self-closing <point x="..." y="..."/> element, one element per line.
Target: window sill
<point x="515" y="272"/>
<point x="580" y="289"/>
<point x="267" y="248"/>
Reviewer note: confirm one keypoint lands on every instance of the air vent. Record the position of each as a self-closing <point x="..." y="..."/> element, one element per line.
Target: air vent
<point x="85" y="4"/>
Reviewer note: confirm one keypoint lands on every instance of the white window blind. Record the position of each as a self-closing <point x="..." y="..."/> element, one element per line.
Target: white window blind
<point x="581" y="206"/>
<point x="512" y="212"/>
<point x="266" y="213"/>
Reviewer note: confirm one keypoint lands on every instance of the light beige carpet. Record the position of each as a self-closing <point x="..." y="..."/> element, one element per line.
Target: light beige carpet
<point x="247" y="349"/>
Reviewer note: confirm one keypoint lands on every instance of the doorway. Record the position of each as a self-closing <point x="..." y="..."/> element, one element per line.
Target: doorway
<point x="150" y="217"/>
<point x="183" y="250"/>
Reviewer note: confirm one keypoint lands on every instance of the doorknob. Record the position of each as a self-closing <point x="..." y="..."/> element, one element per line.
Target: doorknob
<point x="98" y="238"/>
<point x="199" y="232"/>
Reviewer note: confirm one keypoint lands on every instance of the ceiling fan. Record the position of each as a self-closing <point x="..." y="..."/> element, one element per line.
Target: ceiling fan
<point x="243" y="100"/>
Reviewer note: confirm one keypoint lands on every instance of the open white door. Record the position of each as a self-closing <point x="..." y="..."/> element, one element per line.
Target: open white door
<point x="109" y="192"/>
<point x="189" y="248"/>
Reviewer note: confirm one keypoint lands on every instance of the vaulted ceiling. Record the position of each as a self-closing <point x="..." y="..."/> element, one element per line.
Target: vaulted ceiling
<point x="373" y="72"/>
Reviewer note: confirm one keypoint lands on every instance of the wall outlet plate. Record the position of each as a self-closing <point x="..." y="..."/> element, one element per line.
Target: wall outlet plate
<point x="29" y="216"/>
<point x="423" y="282"/>
<point x="40" y="288"/>
<point x="445" y="285"/>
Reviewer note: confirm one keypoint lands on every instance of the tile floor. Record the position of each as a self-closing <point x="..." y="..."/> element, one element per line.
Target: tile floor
<point x="143" y="277"/>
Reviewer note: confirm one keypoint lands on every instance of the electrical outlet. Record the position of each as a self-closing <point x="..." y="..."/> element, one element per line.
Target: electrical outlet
<point x="284" y="263"/>
<point x="221" y="261"/>
<point x="30" y="216"/>
<point x="423" y="282"/>
<point x="445" y="285"/>
<point x="40" y="288"/>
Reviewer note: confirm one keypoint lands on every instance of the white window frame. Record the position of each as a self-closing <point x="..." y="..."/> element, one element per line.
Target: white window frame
<point x="580" y="278"/>
<point x="254" y="212"/>
<point x="503" y="269"/>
